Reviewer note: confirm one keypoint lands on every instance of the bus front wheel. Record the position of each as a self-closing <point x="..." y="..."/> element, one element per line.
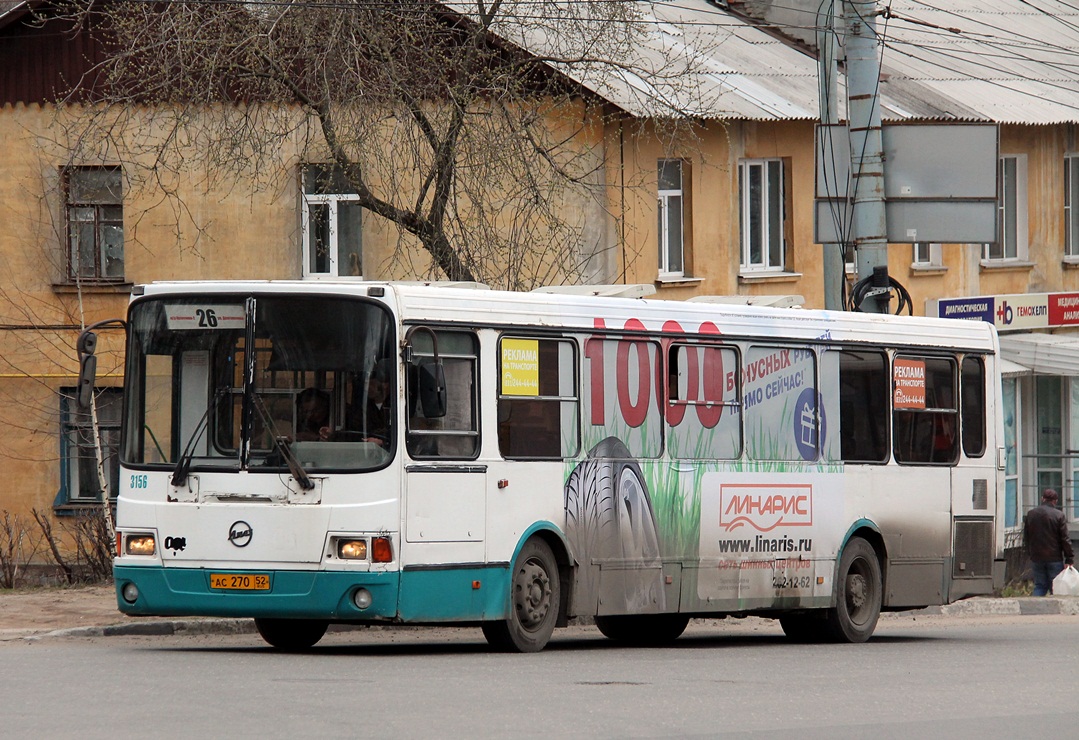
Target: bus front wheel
<point x="858" y="594"/>
<point x="291" y="634"/>
<point x="535" y="592"/>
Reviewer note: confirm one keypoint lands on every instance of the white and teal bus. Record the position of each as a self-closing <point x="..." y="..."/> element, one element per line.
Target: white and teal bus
<point x="310" y="453"/>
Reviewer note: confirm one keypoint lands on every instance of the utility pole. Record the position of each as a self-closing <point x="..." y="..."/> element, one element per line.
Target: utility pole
<point x="867" y="160"/>
<point x="834" y="263"/>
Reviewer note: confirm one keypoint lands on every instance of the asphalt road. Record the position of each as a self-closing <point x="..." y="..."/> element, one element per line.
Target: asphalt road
<point x="924" y="676"/>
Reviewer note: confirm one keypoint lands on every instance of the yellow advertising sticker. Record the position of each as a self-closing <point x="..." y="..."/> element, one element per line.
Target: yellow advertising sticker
<point x="520" y="367"/>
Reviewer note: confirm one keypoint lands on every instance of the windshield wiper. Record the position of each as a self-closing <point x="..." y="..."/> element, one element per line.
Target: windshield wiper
<point x="284" y="446"/>
<point x="183" y="465"/>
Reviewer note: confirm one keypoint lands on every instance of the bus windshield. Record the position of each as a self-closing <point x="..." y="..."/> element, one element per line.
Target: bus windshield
<point x="233" y="382"/>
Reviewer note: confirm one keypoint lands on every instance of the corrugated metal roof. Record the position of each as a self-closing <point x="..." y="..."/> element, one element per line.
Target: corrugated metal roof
<point x="1004" y="61"/>
<point x="11" y="10"/>
<point x="691" y="57"/>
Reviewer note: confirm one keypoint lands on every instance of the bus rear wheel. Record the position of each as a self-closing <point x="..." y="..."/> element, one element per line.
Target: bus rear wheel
<point x="291" y="634"/>
<point x="858" y="594"/>
<point x="643" y="629"/>
<point x="535" y="594"/>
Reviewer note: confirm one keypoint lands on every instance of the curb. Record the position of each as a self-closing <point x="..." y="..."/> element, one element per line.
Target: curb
<point x="156" y="628"/>
<point x="1013" y="607"/>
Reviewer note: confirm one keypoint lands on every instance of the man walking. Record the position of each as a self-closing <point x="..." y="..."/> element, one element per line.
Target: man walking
<point x="1045" y="533"/>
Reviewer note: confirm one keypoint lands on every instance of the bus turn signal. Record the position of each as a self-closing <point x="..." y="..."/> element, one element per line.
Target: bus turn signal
<point x="381" y="551"/>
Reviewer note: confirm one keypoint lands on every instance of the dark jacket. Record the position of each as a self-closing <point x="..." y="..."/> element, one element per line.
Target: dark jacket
<point x="1045" y="532"/>
<point x="377" y="420"/>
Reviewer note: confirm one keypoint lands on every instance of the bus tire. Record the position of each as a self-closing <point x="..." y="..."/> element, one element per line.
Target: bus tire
<point x="643" y="629"/>
<point x="291" y="634"/>
<point x="535" y="593"/>
<point x="858" y="594"/>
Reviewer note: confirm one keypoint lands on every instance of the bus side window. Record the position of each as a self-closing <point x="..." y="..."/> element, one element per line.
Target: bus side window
<point x="972" y="405"/>
<point x="537" y="400"/>
<point x="703" y="402"/>
<point x="455" y="435"/>
<point x="863" y="405"/>
<point x="782" y="421"/>
<point x="926" y="420"/>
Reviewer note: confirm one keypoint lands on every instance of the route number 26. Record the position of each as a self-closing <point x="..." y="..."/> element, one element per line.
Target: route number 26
<point x="207" y="318"/>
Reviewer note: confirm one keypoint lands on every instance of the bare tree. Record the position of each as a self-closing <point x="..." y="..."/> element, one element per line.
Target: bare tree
<point x="470" y="126"/>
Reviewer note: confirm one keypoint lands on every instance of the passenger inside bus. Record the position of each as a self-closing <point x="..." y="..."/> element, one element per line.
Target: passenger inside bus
<point x="378" y="415"/>
<point x="312" y="415"/>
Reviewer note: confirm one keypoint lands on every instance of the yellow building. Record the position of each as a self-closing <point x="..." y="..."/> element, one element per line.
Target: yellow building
<point x="721" y="204"/>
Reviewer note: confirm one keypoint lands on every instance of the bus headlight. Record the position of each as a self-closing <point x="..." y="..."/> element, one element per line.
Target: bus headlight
<point x="140" y="544"/>
<point x="352" y="549"/>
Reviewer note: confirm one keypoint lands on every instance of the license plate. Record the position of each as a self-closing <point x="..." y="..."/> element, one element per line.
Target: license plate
<point x="240" y="581"/>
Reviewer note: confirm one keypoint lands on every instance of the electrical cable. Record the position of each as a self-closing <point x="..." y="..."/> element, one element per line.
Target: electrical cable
<point x="861" y="290"/>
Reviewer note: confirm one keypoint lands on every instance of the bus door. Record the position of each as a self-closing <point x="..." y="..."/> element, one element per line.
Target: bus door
<point x="974" y="488"/>
<point x="925" y="442"/>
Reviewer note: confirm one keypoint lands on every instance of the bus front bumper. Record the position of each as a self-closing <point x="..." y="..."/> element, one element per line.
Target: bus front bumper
<point x="292" y="594"/>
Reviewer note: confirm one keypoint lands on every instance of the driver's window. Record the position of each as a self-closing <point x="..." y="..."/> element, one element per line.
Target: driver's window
<point x="455" y="435"/>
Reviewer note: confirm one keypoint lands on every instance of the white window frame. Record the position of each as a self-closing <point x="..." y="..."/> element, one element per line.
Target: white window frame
<point x="1011" y="213"/>
<point x="926" y="254"/>
<point x="671" y="201"/>
<point x="1071" y="207"/>
<point x="766" y="262"/>
<point x="332" y="201"/>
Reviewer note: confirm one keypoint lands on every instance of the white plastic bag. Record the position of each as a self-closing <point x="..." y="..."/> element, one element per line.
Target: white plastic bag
<point x="1067" y="583"/>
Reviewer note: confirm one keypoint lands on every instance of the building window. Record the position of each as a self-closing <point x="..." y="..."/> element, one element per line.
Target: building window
<point x="1011" y="241"/>
<point x="762" y="222"/>
<point x="927" y="254"/>
<point x="95" y="223"/>
<point x="671" y="219"/>
<point x="1071" y="205"/>
<point x="78" y="461"/>
<point x="332" y="233"/>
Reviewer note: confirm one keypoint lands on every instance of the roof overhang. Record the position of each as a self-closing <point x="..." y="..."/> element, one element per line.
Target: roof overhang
<point x="1043" y="354"/>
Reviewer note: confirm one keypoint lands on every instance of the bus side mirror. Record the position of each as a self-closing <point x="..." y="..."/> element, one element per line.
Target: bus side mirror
<point x="432" y="386"/>
<point x="86" y="346"/>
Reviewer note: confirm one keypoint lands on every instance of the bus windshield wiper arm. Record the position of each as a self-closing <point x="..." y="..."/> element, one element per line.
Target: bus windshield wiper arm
<point x="284" y="446"/>
<point x="183" y="465"/>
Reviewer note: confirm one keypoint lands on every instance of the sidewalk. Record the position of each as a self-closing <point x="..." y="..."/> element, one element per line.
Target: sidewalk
<point x="91" y="611"/>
